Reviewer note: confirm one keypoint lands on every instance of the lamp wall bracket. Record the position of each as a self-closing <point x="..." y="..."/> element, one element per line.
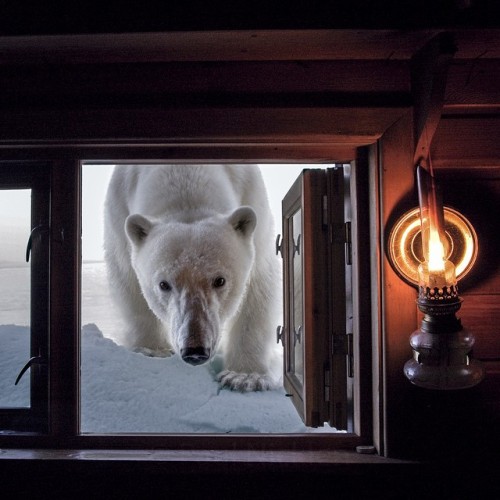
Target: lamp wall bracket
<point x="429" y="71"/>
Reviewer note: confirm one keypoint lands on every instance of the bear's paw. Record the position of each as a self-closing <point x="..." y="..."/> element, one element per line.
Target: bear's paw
<point x="245" y="382"/>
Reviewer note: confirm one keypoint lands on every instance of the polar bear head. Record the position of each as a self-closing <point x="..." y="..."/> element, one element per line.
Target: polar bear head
<point x="193" y="275"/>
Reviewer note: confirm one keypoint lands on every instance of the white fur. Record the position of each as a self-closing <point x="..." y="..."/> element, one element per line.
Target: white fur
<point x="187" y="226"/>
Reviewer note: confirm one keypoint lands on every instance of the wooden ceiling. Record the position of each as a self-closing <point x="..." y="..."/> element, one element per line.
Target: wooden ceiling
<point x="247" y="45"/>
<point x="282" y="86"/>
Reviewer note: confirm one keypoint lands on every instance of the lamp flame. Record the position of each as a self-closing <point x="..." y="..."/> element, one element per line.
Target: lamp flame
<point x="436" y="257"/>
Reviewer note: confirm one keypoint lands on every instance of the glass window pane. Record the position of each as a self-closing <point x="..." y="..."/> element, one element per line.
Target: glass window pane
<point x="15" y="226"/>
<point x="296" y="331"/>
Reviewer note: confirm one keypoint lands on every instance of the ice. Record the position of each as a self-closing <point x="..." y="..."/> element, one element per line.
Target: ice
<point x="128" y="392"/>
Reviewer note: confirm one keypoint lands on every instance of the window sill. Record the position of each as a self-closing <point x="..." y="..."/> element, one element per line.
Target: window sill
<point x="285" y="458"/>
<point x="222" y="474"/>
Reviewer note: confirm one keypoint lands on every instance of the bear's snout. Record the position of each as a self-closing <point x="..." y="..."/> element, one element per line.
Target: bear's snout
<point x="195" y="355"/>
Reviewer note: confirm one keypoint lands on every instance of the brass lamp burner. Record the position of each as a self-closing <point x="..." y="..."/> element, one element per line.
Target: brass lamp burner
<point x="405" y="244"/>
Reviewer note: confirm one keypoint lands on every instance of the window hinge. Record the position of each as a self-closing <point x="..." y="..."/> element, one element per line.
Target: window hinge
<point x="350" y="355"/>
<point x="326" y="384"/>
<point x="342" y="345"/>
<point x="325" y="210"/>
<point x="348" y="243"/>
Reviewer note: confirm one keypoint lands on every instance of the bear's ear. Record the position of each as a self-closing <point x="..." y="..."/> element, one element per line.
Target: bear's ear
<point x="137" y="228"/>
<point x="243" y="220"/>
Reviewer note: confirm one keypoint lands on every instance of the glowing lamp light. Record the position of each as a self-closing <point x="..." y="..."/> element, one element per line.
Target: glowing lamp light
<point x="436" y="275"/>
<point x="441" y="346"/>
<point x="436" y="253"/>
<point x="405" y="244"/>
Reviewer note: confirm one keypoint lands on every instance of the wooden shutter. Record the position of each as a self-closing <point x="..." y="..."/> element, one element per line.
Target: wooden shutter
<point x="315" y="337"/>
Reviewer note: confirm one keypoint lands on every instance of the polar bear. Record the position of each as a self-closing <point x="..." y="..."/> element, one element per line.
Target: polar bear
<point x="191" y="264"/>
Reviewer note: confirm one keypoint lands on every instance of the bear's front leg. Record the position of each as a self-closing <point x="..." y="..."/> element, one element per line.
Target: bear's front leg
<point x="145" y="335"/>
<point x="252" y="358"/>
<point x="144" y="332"/>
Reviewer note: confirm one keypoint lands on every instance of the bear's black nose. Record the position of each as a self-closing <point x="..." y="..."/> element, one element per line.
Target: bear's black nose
<point x="195" y="355"/>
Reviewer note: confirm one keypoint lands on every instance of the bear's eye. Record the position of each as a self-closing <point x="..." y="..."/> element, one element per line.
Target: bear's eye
<point x="219" y="282"/>
<point x="165" y="286"/>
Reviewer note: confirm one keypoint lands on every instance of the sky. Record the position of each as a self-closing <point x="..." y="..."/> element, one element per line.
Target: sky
<point x="15" y="223"/>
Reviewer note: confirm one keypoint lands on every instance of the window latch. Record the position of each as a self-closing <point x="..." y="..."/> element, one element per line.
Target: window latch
<point x="36" y="230"/>
<point x="297" y="335"/>
<point x="35" y="360"/>
<point x="279" y="245"/>
<point x="279" y="334"/>
<point x="296" y="246"/>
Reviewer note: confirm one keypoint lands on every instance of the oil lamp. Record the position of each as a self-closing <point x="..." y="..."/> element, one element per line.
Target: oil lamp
<point x="441" y="345"/>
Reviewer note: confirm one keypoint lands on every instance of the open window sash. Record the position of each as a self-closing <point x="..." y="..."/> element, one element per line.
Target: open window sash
<point x="33" y="416"/>
<point x="316" y="280"/>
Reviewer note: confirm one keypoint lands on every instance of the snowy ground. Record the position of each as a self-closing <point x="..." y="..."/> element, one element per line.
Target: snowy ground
<point x="123" y="391"/>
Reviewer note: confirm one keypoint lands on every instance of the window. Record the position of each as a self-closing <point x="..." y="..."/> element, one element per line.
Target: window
<point x="124" y="391"/>
<point x="24" y="297"/>
<point x="64" y="353"/>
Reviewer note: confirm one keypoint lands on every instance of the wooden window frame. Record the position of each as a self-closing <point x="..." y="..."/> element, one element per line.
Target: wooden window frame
<point x="33" y="176"/>
<point x="64" y="356"/>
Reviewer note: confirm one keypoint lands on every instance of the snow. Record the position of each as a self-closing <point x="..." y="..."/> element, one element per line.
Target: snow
<point x="128" y="392"/>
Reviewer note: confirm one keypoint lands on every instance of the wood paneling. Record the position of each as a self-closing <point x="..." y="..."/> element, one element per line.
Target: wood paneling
<point x="473" y="82"/>
<point x="465" y="141"/>
<point x="480" y="314"/>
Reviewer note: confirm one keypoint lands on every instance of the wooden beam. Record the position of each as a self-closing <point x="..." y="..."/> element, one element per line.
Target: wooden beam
<point x="217" y="45"/>
<point x="345" y="125"/>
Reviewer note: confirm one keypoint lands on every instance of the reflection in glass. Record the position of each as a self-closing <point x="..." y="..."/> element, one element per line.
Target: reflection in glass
<point x="15" y="226"/>
<point x="297" y="315"/>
